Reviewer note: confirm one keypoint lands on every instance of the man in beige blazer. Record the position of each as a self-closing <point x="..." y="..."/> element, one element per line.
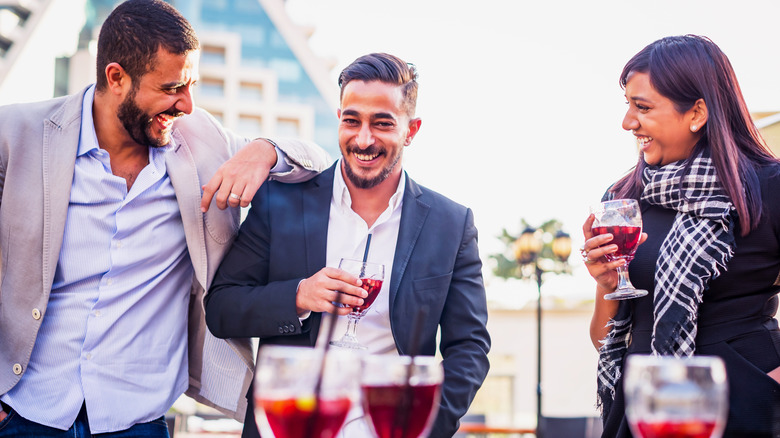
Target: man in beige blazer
<point x="93" y="352"/>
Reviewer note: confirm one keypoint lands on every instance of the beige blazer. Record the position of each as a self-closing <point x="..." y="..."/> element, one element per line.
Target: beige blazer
<point x="38" y="145"/>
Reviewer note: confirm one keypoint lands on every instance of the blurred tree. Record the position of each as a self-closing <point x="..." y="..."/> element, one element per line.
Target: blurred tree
<point x="554" y="243"/>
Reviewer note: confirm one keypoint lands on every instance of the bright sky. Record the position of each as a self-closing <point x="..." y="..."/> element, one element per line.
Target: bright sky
<point x="520" y="100"/>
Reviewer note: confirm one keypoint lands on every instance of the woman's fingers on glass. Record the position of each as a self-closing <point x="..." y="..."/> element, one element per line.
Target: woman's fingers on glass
<point x="586" y="227"/>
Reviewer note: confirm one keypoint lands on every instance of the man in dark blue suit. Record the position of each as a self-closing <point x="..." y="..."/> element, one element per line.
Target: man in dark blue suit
<point x="280" y="277"/>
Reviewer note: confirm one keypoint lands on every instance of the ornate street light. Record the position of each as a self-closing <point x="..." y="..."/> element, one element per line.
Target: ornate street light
<point x="535" y="259"/>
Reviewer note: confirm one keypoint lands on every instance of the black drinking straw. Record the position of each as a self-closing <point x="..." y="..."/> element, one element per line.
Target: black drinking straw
<point x="332" y="318"/>
<point x="404" y="408"/>
<point x="365" y="256"/>
<point x="318" y="385"/>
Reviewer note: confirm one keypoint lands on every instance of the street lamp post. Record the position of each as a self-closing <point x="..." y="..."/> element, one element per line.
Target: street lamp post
<point x="534" y="261"/>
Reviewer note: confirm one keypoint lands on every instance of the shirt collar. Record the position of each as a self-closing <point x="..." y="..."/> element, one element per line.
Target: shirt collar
<point x="342" y="198"/>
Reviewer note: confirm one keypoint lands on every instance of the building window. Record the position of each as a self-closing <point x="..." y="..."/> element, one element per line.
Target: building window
<point x="288" y="70"/>
<point x="288" y="127"/>
<point x="211" y="87"/>
<point x="250" y="126"/>
<point x="251" y="91"/>
<point x="213" y="55"/>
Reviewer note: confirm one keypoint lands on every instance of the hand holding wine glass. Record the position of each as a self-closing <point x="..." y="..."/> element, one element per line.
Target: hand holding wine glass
<point x="371" y="276"/>
<point x="622" y="219"/>
<point x="669" y="397"/>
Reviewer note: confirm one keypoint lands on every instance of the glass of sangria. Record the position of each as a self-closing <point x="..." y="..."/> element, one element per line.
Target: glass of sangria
<point x="669" y="397"/>
<point x="623" y="219"/>
<point x="296" y="395"/>
<point x="400" y="394"/>
<point x="371" y="275"/>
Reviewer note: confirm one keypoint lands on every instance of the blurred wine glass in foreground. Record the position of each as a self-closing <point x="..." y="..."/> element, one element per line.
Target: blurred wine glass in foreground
<point x="289" y="403"/>
<point x="401" y="396"/>
<point x="668" y="397"/>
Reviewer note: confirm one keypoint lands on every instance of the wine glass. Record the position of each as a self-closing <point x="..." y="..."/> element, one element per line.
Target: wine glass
<point x="297" y="396"/>
<point x="669" y="397"/>
<point x="371" y="275"/>
<point x="401" y="394"/>
<point x="623" y="219"/>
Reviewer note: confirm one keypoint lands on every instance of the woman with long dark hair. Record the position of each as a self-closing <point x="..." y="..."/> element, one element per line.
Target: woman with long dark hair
<point x="709" y="190"/>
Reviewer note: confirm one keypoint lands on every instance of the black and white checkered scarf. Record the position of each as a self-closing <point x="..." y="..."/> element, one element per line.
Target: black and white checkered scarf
<point x="696" y="250"/>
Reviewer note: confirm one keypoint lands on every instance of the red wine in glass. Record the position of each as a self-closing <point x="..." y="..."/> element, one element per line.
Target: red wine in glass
<point x="381" y="403"/>
<point x="299" y="417"/>
<point x="676" y="429"/>
<point x="626" y="239"/>
<point x="372" y="286"/>
<point x="623" y="219"/>
<point x="371" y="276"/>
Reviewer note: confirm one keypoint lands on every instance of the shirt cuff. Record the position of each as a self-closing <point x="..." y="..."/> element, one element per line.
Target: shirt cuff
<point x="281" y="165"/>
<point x="305" y="315"/>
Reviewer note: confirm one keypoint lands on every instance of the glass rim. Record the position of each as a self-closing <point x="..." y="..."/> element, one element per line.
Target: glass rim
<point x="401" y="359"/>
<point x="651" y="359"/>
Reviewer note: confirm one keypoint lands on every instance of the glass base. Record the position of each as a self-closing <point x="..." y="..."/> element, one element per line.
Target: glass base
<point x="625" y="294"/>
<point x="350" y="342"/>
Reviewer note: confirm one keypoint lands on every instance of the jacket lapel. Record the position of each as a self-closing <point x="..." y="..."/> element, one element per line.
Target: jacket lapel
<point x="60" y="146"/>
<point x="180" y="166"/>
<point x="413" y="214"/>
<point x="316" y="211"/>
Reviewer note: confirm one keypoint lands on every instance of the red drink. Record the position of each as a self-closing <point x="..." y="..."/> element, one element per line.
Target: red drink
<point x="626" y="239"/>
<point x="381" y="404"/>
<point x="676" y="429"/>
<point x="371" y="286"/>
<point x="297" y="418"/>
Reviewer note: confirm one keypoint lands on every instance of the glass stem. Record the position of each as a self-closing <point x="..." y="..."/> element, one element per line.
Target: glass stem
<point x="352" y="322"/>
<point x="623" y="281"/>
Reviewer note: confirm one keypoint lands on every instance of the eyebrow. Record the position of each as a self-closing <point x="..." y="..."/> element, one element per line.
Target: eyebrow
<point x="173" y="84"/>
<point x="375" y="116"/>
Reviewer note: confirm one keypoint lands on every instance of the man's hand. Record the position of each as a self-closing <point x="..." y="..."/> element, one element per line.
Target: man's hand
<point x="237" y="180"/>
<point x="318" y="292"/>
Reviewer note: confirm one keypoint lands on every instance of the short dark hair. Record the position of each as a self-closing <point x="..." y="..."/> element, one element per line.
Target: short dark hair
<point x="133" y="33"/>
<point x="685" y="69"/>
<point x="384" y="68"/>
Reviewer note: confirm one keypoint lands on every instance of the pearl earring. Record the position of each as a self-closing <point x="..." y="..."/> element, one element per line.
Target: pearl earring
<point x="694" y="128"/>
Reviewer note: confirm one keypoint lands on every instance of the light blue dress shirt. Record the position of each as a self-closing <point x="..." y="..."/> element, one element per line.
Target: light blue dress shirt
<point x="115" y="331"/>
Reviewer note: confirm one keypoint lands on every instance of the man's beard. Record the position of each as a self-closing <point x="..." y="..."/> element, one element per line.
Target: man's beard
<point x="138" y="124"/>
<point x="367" y="183"/>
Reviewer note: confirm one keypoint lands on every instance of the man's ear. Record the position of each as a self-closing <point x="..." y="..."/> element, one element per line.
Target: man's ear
<point x="414" y="128"/>
<point x="116" y="78"/>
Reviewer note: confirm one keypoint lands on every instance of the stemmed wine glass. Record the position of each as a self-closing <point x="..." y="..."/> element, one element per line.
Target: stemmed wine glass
<point x="669" y="397"/>
<point x="400" y="394"/>
<point x="297" y="395"/>
<point x="371" y="275"/>
<point x="623" y="219"/>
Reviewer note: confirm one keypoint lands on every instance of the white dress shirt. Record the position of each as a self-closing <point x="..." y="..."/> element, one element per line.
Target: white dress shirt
<point x="347" y="235"/>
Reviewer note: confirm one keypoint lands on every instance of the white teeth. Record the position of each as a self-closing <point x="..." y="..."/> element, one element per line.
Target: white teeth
<point x="644" y="140"/>
<point x="362" y="157"/>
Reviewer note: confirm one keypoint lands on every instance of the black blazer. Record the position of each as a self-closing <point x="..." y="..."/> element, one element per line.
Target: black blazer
<point x="436" y="263"/>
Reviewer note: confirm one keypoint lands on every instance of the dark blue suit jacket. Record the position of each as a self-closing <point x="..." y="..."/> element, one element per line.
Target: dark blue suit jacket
<point x="283" y="240"/>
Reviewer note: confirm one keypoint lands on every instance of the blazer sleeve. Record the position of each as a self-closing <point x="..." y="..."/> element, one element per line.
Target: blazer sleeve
<point x="465" y="341"/>
<point x="242" y="302"/>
